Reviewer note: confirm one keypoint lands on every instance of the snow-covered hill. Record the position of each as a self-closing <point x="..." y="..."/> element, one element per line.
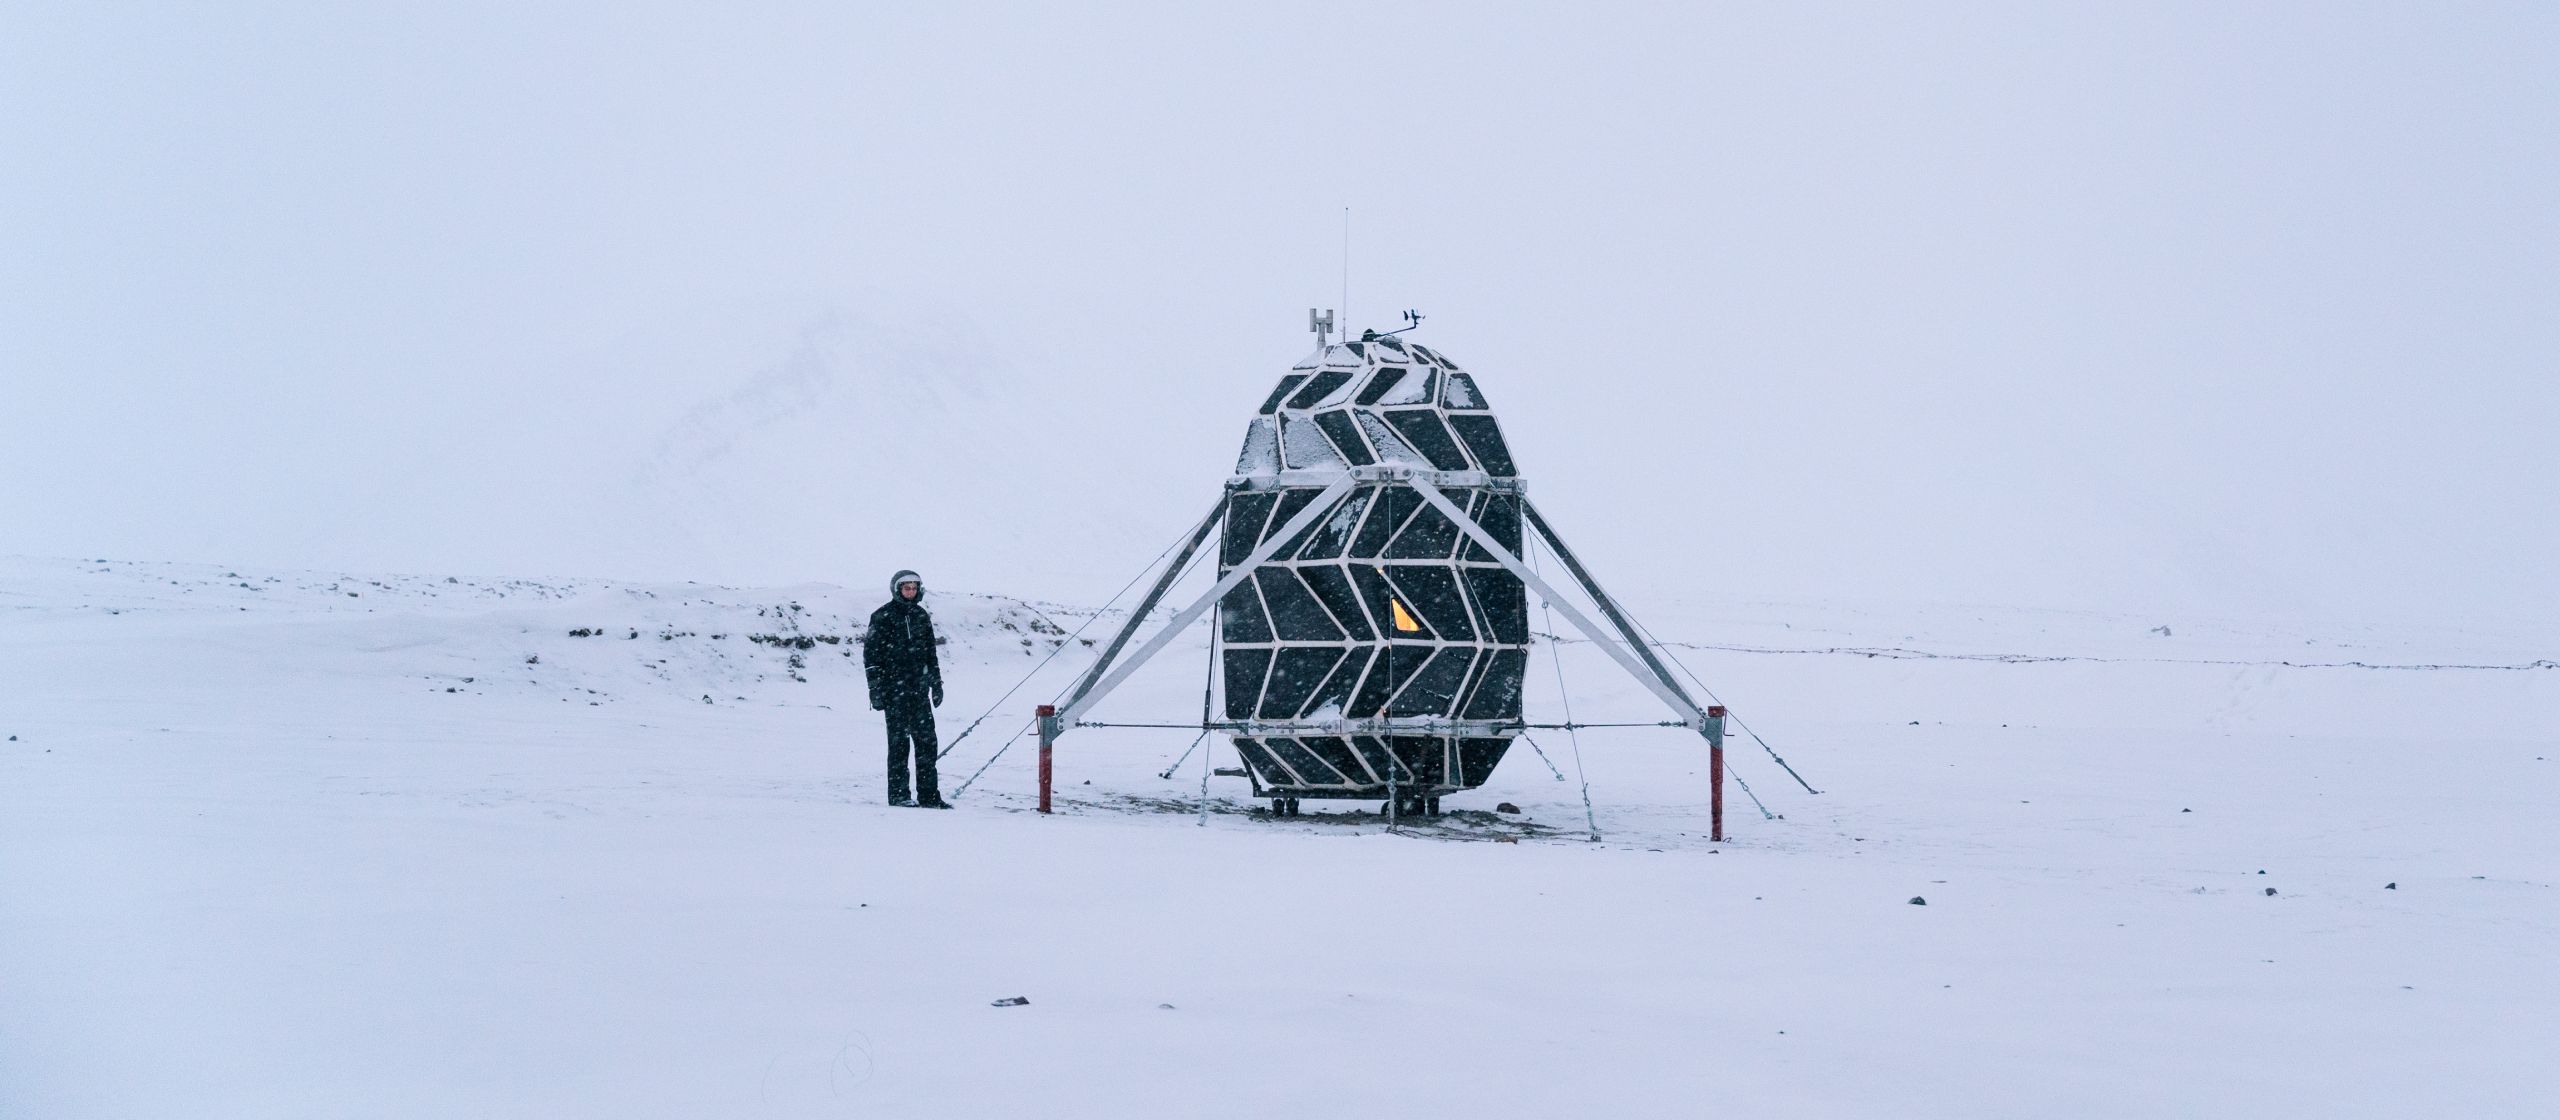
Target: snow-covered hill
<point x="300" y="844"/>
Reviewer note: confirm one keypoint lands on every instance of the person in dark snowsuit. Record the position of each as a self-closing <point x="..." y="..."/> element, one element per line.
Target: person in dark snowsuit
<point x="906" y="686"/>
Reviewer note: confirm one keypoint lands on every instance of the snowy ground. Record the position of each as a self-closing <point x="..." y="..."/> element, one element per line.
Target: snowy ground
<point x="284" y="844"/>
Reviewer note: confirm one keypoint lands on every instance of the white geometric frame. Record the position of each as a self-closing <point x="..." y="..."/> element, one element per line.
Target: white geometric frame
<point x="1279" y="440"/>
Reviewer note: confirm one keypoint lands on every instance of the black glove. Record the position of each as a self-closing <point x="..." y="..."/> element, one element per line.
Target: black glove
<point x="937" y="694"/>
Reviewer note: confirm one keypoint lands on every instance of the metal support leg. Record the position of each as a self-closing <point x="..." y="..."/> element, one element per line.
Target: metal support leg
<point x="1048" y="739"/>
<point x="1715" y="773"/>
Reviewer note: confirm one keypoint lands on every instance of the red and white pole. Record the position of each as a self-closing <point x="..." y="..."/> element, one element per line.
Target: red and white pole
<point x="1715" y="773"/>
<point x="1049" y="738"/>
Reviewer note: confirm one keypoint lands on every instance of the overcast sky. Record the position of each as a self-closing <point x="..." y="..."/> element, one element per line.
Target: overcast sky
<point x="2223" y="309"/>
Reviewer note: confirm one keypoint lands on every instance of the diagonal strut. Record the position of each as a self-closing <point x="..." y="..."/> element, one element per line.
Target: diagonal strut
<point x="1098" y="684"/>
<point x="1647" y="672"/>
<point x="1147" y="606"/>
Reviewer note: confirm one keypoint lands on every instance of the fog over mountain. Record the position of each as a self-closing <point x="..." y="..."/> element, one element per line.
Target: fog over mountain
<point x="2184" y="310"/>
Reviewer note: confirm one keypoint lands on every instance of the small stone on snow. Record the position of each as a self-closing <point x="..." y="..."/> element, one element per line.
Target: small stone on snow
<point x="1916" y="900"/>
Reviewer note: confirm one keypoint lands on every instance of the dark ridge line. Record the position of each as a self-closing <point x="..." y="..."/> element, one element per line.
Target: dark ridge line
<point x="1900" y="654"/>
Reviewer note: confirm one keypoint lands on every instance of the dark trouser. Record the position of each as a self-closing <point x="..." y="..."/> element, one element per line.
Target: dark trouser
<point x="911" y="728"/>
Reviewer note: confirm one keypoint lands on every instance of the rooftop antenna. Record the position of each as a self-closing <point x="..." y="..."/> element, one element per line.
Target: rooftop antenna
<point x="1412" y="319"/>
<point x="1345" y="305"/>
<point x="1320" y="322"/>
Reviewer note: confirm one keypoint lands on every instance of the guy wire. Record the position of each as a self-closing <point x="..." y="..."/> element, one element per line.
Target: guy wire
<point x="1555" y="653"/>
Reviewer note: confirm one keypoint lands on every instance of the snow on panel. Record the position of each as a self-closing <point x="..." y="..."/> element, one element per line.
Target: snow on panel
<point x="1389" y="394"/>
<point x="1306" y="447"/>
<point x="1261" y="454"/>
<point x="1391" y="447"/>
